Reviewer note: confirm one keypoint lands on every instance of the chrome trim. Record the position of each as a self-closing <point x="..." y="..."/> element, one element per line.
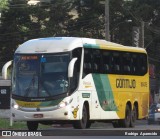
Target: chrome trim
<point x="39" y="109"/>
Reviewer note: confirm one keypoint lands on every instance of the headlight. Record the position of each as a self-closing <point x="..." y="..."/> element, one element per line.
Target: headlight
<point x="15" y="105"/>
<point x="62" y="104"/>
<point x="65" y="102"/>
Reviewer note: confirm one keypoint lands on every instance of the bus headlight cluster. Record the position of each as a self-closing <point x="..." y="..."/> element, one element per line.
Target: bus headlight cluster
<point x="15" y="105"/>
<point x="65" y="102"/>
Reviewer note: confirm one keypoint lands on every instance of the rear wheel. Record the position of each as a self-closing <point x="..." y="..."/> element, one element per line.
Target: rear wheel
<point x="133" y="116"/>
<point x="84" y="122"/>
<point x="126" y="122"/>
<point x="32" y="125"/>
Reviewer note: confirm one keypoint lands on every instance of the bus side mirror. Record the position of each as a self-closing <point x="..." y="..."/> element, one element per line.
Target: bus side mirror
<point x="71" y="67"/>
<point x="5" y="68"/>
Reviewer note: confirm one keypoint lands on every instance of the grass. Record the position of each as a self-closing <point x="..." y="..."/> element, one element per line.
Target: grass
<point x="5" y="125"/>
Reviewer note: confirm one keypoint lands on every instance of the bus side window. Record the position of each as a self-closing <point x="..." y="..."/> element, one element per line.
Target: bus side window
<point x="87" y="66"/>
<point x="134" y="63"/>
<point x="126" y="63"/>
<point x="116" y="60"/>
<point x="97" y="68"/>
<point x="143" y="64"/>
<point x="106" y="56"/>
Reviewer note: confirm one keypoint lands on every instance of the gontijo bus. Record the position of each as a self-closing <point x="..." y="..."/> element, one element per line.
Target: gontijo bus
<point x="79" y="81"/>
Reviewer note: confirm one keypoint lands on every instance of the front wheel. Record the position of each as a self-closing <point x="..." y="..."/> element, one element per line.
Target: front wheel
<point x="32" y="125"/>
<point x="116" y="124"/>
<point x="83" y="123"/>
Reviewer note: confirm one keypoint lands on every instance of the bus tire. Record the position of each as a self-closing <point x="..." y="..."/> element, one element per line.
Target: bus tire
<point x="116" y="124"/>
<point x="126" y="121"/>
<point x="82" y="124"/>
<point x="133" y="117"/>
<point x="89" y="123"/>
<point x="32" y="125"/>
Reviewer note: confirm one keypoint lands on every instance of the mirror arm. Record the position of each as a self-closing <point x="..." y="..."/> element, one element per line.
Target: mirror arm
<point x="4" y="69"/>
<point x="71" y="67"/>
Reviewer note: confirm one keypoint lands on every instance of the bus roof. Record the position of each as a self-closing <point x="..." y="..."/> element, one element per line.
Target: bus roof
<point x="63" y="44"/>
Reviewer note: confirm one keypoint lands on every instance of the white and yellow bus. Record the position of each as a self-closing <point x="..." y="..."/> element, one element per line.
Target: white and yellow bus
<point x="79" y="81"/>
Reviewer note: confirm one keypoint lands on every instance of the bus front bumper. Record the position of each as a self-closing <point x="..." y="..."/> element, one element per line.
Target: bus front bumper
<point x="59" y="114"/>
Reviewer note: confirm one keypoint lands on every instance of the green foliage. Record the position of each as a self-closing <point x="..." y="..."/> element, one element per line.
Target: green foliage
<point x="148" y="11"/>
<point x="5" y="125"/>
<point x="21" y="22"/>
<point x="12" y="22"/>
<point x="59" y="18"/>
<point x="3" y="5"/>
<point x="90" y="21"/>
<point x="120" y="28"/>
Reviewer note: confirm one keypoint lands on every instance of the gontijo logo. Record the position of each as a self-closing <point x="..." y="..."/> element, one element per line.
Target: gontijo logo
<point x="126" y="83"/>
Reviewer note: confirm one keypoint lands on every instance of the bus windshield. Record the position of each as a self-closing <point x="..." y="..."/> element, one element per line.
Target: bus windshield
<point x="40" y="76"/>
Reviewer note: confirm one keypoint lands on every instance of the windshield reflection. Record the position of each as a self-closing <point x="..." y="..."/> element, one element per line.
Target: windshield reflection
<point x="40" y="76"/>
<point x="54" y="79"/>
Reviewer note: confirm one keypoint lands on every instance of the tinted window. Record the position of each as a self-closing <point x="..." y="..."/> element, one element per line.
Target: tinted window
<point x="87" y="66"/>
<point x="114" y="62"/>
<point x="127" y="63"/>
<point x="106" y="65"/>
<point x="97" y="66"/>
<point x="74" y="81"/>
<point x="142" y="64"/>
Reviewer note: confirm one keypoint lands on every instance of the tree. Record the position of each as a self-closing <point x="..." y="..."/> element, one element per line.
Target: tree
<point x="120" y="27"/>
<point x="3" y="5"/>
<point x="12" y="28"/>
<point x="149" y="12"/>
<point x="21" y="22"/>
<point x="59" y="17"/>
<point x="90" y="19"/>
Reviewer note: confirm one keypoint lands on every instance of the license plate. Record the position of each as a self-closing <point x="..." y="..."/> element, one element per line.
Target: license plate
<point x="38" y="115"/>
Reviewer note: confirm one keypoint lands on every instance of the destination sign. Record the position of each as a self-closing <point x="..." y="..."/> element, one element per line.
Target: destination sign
<point x="29" y="57"/>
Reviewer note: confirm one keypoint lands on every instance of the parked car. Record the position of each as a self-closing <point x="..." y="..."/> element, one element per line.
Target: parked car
<point x="154" y="114"/>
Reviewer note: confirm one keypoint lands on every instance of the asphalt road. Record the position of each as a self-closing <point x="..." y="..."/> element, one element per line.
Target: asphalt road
<point x="97" y="131"/>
